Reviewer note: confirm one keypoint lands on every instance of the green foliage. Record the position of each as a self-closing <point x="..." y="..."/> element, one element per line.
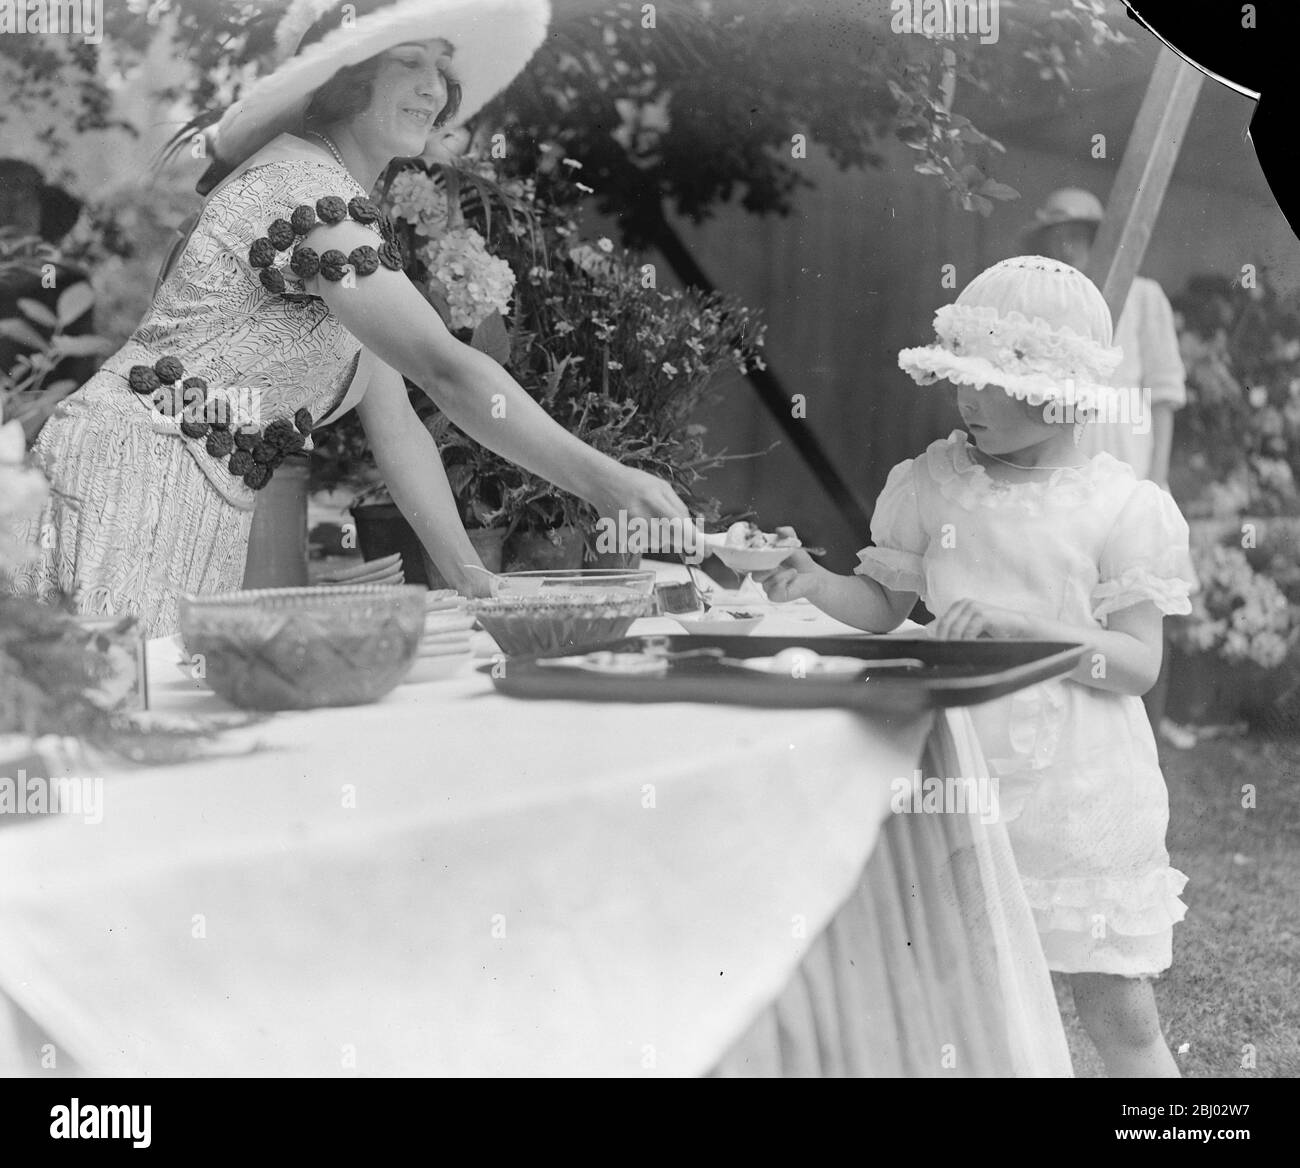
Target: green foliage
<point x="1238" y="444"/>
<point x="703" y="108"/>
<point x="27" y="393"/>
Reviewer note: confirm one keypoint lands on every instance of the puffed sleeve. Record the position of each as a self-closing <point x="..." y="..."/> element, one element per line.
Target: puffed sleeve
<point x="900" y="542"/>
<point x="1145" y="557"/>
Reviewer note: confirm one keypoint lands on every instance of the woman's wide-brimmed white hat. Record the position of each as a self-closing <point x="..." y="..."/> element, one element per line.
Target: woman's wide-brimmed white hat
<point x="492" y="40"/>
<point x="1038" y="328"/>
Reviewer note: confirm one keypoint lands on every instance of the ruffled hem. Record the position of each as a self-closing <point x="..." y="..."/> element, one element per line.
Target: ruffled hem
<point x="1140" y="907"/>
<point x="1136" y="585"/>
<point x="897" y="570"/>
<point x="965" y="482"/>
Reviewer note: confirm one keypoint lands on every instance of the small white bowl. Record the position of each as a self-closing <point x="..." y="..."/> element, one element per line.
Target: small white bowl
<point x="726" y="625"/>
<point x="743" y="560"/>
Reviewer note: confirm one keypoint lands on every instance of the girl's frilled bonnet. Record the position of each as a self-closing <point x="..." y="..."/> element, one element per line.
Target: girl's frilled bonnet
<point x="1035" y="326"/>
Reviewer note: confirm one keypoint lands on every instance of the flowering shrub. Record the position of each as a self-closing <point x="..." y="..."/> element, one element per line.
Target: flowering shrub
<point x="618" y="362"/>
<point x="473" y="283"/>
<point x="1239" y="615"/>
<point x="416" y="198"/>
<point x="1238" y="440"/>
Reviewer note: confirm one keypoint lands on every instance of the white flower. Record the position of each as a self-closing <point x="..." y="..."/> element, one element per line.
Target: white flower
<point x="669" y="368"/>
<point x="475" y="283"/>
<point x="1258" y="397"/>
<point x="590" y="260"/>
<point x="605" y="244"/>
<point x="415" y="197"/>
<point x="573" y="163"/>
<point x="447" y="146"/>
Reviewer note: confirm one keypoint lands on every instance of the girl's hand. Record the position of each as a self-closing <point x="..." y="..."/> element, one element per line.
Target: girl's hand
<point x="796" y="577"/>
<point x="968" y="619"/>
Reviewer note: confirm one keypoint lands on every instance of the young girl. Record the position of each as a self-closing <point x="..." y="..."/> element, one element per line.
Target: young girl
<point x="1012" y="532"/>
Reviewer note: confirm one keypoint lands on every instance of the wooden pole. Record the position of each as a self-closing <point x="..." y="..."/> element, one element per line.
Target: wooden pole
<point x="1143" y="177"/>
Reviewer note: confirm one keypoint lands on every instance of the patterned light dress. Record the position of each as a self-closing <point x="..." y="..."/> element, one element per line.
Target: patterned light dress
<point x="138" y="510"/>
<point x="1079" y="780"/>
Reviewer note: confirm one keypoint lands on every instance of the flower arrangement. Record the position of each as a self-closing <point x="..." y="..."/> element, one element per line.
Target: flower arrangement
<point x="1240" y="614"/>
<point x="1239" y="437"/>
<point x="619" y="362"/>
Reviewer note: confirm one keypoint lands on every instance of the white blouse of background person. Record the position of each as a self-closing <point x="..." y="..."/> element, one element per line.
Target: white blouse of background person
<point x="1142" y="430"/>
<point x="1151" y="372"/>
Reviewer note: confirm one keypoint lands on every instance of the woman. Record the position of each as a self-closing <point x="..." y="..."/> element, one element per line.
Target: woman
<point x="287" y="291"/>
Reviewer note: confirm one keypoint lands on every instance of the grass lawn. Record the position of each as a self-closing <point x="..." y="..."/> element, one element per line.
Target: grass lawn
<point x="1236" y="973"/>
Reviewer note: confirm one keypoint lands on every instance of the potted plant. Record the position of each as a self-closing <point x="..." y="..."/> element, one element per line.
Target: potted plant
<point x="618" y="362"/>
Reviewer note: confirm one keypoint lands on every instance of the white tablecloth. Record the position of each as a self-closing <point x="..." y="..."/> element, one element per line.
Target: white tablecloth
<point x="450" y="882"/>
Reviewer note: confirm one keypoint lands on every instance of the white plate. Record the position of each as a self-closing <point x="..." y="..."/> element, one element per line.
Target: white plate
<point x="823" y="666"/>
<point x="437" y="668"/>
<point x="443" y="649"/>
<point x="447" y="622"/>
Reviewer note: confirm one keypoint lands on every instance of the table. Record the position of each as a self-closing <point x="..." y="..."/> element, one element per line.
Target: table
<point x="452" y="882"/>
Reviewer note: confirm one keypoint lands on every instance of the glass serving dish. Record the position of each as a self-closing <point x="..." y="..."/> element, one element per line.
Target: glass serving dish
<point x="555" y="624"/>
<point x="299" y="648"/>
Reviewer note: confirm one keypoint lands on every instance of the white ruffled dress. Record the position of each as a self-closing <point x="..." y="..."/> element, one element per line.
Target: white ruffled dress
<point x="1079" y="780"/>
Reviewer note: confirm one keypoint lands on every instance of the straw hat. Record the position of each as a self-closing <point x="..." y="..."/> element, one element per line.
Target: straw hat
<point x="1035" y="326"/>
<point x="1068" y="205"/>
<point x="493" y="41"/>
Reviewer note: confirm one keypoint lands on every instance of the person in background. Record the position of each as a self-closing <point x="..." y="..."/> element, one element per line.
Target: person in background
<point x="31" y="208"/>
<point x="1064" y="229"/>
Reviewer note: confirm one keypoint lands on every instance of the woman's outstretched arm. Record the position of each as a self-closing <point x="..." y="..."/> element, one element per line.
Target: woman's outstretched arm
<point x="408" y="459"/>
<point x="386" y="313"/>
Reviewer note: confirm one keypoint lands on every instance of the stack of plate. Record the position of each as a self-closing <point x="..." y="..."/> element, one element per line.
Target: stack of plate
<point x="445" y="643"/>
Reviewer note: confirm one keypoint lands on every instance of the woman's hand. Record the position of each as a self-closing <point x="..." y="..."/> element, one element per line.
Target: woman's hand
<point x="795" y="578"/>
<point x="476" y="585"/>
<point x="643" y="496"/>
<point x="967" y="619"/>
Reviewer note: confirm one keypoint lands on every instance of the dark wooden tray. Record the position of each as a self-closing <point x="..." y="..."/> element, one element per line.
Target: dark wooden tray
<point x="956" y="673"/>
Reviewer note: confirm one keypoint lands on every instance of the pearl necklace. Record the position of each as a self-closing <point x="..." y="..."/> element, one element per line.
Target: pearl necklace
<point x="1019" y="466"/>
<point x="334" y="150"/>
